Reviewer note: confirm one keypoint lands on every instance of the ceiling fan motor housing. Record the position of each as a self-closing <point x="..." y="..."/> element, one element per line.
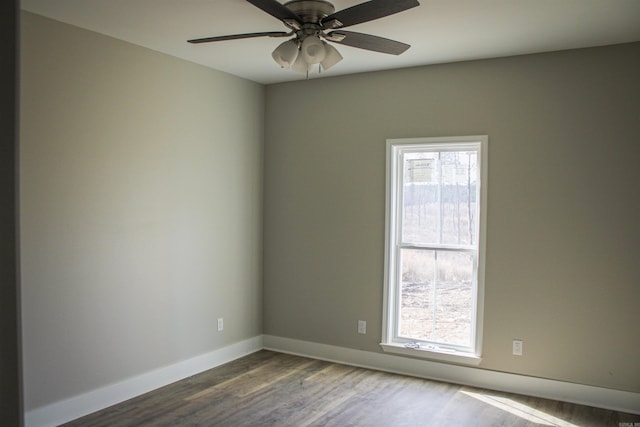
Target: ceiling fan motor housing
<point x="310" y="10"/>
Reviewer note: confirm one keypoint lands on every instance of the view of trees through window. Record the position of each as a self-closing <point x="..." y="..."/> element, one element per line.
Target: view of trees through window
<point x="438" y="246"/>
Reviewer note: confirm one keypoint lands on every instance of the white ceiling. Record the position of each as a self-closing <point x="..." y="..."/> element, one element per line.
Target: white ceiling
<point x="438" y="31"/>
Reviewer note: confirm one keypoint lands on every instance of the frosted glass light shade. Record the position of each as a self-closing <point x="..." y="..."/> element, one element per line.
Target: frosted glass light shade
<point x="301" y="66"/>
<point x="312" y="50"/>
<point x="286" y="53"/>
<point x="332" y="56"/>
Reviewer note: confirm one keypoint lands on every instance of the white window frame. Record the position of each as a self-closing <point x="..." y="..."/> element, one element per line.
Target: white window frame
<point x="390" y="341"/>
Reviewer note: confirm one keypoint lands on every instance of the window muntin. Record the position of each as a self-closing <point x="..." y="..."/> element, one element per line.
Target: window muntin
<point x="433" y="243"/>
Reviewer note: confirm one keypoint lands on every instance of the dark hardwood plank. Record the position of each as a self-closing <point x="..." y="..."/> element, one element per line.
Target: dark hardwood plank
<point x="274" y="389"/>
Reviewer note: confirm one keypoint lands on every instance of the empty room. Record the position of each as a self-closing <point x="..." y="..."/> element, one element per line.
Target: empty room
<point x="230" y="212"/>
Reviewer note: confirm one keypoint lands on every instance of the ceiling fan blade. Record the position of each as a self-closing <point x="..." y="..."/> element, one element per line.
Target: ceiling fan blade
<point x="277" y="10"/>
<point x="240" y="36"/>
<point x="368" y="42"/>
<point x="367" y="11"/>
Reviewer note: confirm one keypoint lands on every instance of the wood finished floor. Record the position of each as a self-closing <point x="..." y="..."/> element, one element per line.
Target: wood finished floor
<point x="274" y="389"/>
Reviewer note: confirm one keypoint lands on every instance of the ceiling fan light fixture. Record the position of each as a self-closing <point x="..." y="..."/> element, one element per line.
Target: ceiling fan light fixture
<point x="301" y="66"/>
<point x="332" y="56"/>
<point x="286" y="54"/>
<point x="312" y="50"/>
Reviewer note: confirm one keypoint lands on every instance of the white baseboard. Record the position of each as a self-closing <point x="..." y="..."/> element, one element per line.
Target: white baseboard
<point x="617" y="400"/>
<point x="78" y="406"/>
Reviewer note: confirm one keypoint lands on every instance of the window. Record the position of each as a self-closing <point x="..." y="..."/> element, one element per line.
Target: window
<point x="436" y="193"/>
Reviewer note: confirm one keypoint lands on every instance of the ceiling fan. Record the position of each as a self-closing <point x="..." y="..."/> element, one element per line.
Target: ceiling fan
<point x="311" y="22"/>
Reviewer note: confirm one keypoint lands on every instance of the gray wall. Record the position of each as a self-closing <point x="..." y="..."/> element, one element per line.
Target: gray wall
<point x="563" y="203"/>
<point x="10" y="410"/>
<point x="141" y="209"/>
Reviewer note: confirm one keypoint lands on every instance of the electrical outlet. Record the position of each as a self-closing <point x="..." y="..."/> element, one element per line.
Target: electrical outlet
<point x="362" y="326"/>
<point x="220" y="324"/>
<point x="517" y="347"/>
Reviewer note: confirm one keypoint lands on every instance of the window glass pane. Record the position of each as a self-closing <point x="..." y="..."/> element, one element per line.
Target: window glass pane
<point x="420" y="197"/>
<point x="439" y="197"/>
<point x="436" y="296"/>
<point x="453" y="297"/>
<point x="417" y="294"/>
<point x="458" y="197"/>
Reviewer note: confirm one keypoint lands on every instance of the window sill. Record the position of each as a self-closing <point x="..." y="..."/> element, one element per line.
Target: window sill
<point x="433" y="354"/>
